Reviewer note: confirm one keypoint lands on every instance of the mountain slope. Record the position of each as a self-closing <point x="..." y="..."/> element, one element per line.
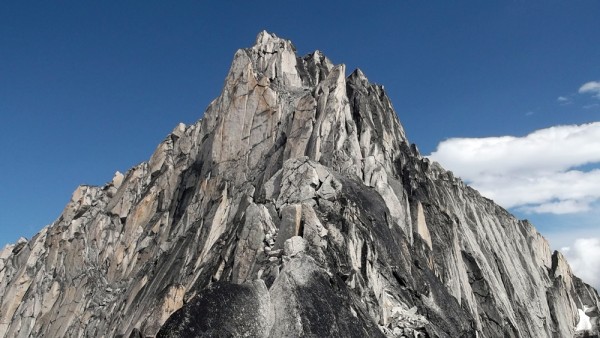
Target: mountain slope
<point x="295" y="207"/>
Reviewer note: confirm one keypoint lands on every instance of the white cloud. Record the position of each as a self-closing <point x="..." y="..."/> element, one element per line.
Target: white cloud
<point x="551" y="149"/>
<point x="584" y="258"/>
<point x="535" y="173"/>
<point x="560" y="207"/>
<point x="568" y="192"/>
<point x="592" y="87"/>
<point x="562" y="99"/>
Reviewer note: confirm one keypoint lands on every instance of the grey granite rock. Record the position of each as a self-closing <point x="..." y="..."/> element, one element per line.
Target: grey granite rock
<point x="294" y="246"/>
<point x="295" y="207"/>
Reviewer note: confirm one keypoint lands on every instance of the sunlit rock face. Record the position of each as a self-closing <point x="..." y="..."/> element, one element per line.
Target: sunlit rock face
<point x="295" y="207"/>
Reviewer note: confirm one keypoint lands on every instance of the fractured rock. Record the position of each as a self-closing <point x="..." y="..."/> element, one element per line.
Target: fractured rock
<point x="295" y="207"/>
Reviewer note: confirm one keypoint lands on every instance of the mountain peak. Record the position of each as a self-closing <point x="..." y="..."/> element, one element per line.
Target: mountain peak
<point x="295" y="207"/>
<point x="265" y="38"/>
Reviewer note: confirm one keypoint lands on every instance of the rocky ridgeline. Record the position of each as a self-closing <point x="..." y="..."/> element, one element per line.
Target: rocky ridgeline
<point x="295" y="207"/>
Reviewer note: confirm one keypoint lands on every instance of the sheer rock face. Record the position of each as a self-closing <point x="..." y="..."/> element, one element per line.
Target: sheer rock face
<point x="295" y="207"/>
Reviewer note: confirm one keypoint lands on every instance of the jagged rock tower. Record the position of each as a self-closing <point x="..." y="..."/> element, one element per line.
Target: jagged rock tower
<point x="295" y="207"/>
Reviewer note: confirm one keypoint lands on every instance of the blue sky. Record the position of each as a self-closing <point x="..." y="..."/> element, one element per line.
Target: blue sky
<point x="88" y="88"/>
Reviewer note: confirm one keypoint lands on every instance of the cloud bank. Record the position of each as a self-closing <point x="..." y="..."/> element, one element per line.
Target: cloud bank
<point x="540" y="172"/>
